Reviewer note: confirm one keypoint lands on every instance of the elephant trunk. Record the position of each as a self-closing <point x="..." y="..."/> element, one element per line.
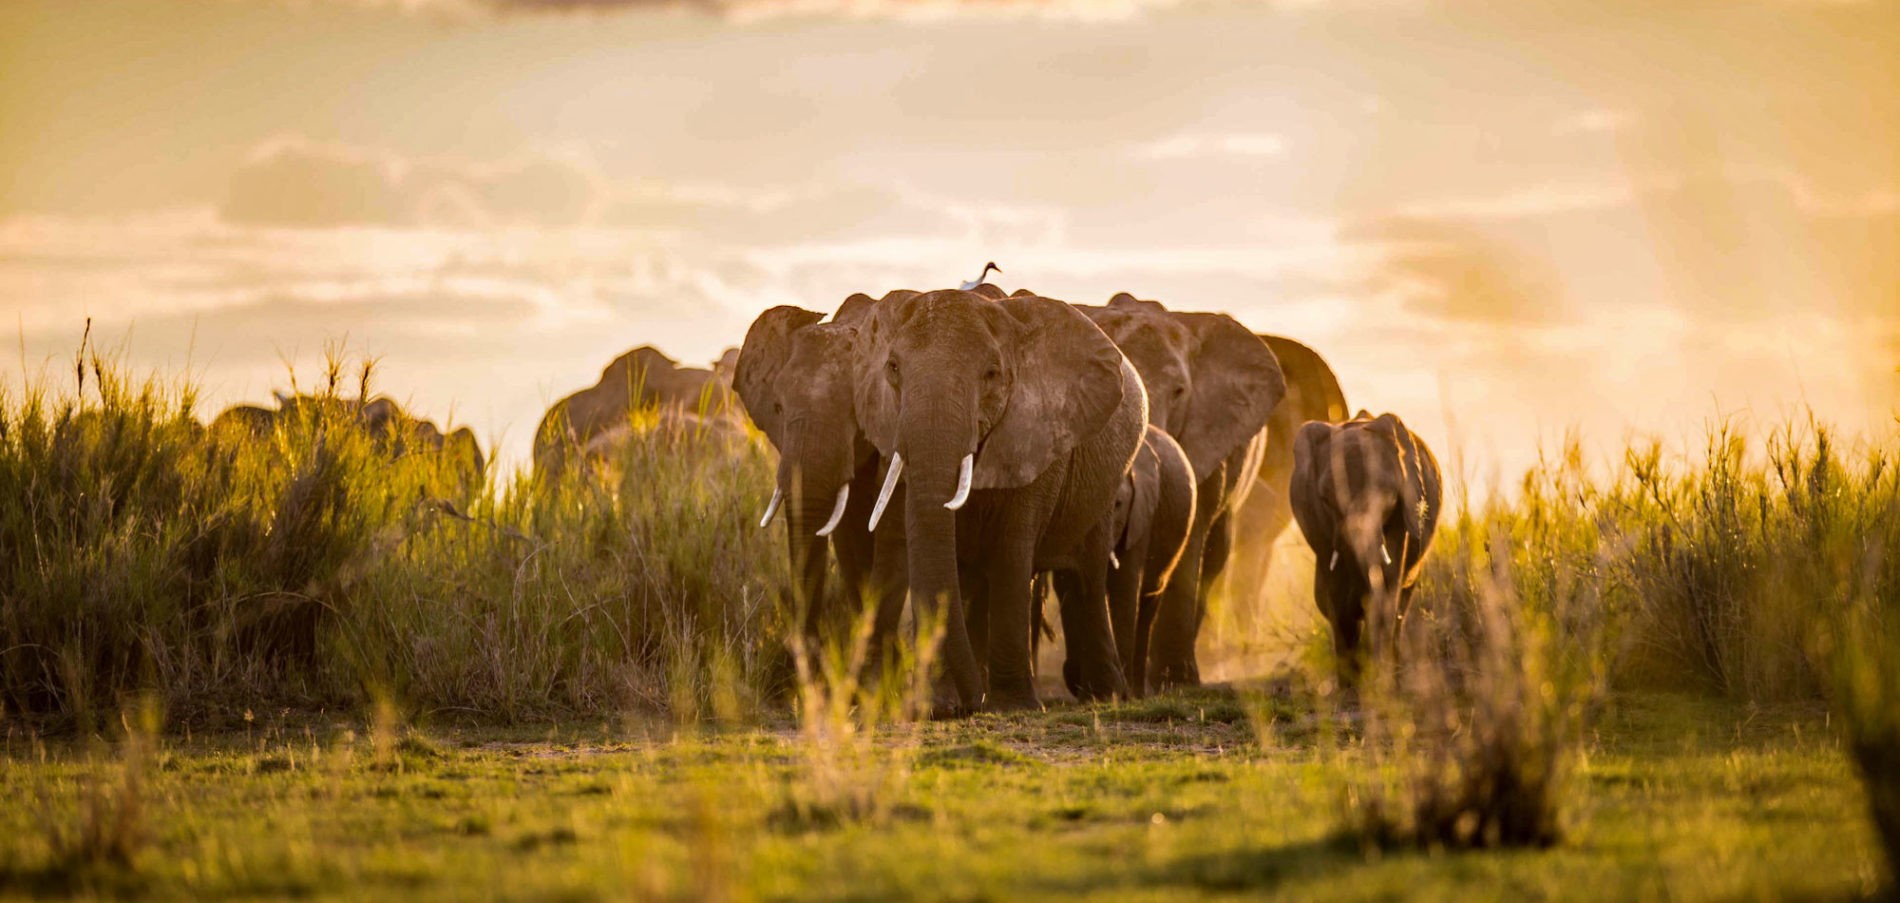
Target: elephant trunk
<point x="1377" y="546"/>
<point x="811" y="502"/>
<point x="933" y="449"/>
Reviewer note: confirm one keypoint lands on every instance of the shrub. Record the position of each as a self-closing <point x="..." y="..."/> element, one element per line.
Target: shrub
<point x="311" y="566"/>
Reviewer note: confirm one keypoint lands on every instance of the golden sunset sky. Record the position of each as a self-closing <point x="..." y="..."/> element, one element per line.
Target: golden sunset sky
<point x="1499" y="220"/>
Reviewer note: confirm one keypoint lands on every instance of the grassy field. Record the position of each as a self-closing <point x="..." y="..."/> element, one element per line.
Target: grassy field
<point x="1187" y="797"/>
<point x="312" y="664"/>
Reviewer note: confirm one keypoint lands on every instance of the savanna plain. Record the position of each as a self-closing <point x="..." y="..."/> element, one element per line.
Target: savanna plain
<point x="302" y="666"/>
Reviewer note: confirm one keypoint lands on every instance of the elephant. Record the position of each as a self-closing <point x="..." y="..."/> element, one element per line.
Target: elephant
<point x="1312" y="393"/>
<point x="796" y="377"/>
<point x="381" y="417"/>
<point x="642" y="378"/>
<point x="1010" y="424"/>
<point x="1153" y="516"/>
<point x="1212" y="385"/>
<point x="1366" y="494"/>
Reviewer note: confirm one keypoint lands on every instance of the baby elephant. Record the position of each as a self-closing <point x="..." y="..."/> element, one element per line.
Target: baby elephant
<point x="1366" y="495"/>
<point x="1150" y="522"/>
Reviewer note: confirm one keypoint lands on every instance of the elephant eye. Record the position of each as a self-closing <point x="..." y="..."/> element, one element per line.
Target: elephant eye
<point x="992" y="374"/>
<point x="890" y="372"/>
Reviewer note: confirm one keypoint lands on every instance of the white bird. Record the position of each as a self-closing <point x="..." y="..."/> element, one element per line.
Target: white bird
<point x="967" y="286"/>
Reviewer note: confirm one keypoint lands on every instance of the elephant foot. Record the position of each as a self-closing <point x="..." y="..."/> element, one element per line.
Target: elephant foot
<point x="1093" y="688"/>
<point x="1176" y="677"/>
<point x="946" y="703"/>
<point x="1018" y="699"/>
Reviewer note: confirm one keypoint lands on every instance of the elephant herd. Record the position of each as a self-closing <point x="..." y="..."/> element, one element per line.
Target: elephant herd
<point x="960" y="450"/>
<point x="968" y="453"/>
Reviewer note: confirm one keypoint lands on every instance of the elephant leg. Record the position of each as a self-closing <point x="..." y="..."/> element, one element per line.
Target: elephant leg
<point x="1348" y="602"/>
<point x="1091" y="667"/>
<point x="1008" y="578"/>
<point x="1171" y="647"/>
<point x="976" y="602"/>
<point x="1124" y="604"/>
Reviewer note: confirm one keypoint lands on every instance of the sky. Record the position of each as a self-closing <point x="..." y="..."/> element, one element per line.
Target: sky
<point x="1502" y="221"/>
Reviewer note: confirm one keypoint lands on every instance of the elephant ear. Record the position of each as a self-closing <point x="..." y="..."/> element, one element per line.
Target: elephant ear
<point x="757" y="375"/>
<point x="875" y="400"/>
<point x="1416" y="467"/>
<point x="1237" y="384"/>
<point x="1067" y="382"/>
<point x="1311" y="453"/>
<point x="854" y="308"/>
<point x="1144" y="481"/>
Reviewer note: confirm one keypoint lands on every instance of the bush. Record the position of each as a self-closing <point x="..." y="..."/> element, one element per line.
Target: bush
<point x="1472" y="734"/>
<point x="1765" y="575"/>
<point x="311" y="566"/>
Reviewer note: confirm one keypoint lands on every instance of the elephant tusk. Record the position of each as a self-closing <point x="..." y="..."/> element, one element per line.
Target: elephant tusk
<point x="837" y="511"/>
<point x="1333" y="565"/>
<point x="1385" y="554"/>
<point x="890" y="485"/>
<point x="1114" y="562"/>
<point x="963" y="484"/>
<point x="771" y="508"/>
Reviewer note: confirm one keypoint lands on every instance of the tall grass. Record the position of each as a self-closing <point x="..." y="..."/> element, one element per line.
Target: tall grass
<point x="314" y="567"/>
<point x="859" y="723"/>
<point x="1472" y="730"/>
<point x="1765" y="570"/>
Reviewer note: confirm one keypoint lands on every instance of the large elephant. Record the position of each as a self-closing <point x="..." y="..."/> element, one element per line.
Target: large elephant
<point x="1366" y="494"/>
<point x="1212" y="385"/>
<point x="642" y="378"/>
<point x="1312" y="393"/>
<point x="797" y="377"/>
<point x="1010" y="423"/>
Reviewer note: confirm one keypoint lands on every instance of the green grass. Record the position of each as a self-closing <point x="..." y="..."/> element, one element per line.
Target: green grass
<point x="611" y="710"/>
<point x="1686" y="799"/>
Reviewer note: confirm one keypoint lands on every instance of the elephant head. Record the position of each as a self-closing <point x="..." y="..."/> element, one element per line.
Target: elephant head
<point x="1211" y="382"/>
<point x="1366" y="495"/>
<point x="795" y="377"/>
<point x="964" y="392"/>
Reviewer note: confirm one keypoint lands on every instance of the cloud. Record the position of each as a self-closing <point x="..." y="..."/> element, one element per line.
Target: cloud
<point x="295" y="182"/>
<point x="1594" y="122"/>
<point x="1187" y="146"/>
<point x="1450" y="271"/>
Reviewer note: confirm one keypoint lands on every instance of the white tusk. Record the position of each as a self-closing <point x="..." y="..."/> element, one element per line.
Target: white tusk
<point x="1385" y="554"/>
<point x="890" y="485"/>
<point x="1333" y="565"/>
<point x="837" y="511"/>
<point x="771" y="508"/>
<point x="963" y="484"/>
<point x="1114" y="562"/>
